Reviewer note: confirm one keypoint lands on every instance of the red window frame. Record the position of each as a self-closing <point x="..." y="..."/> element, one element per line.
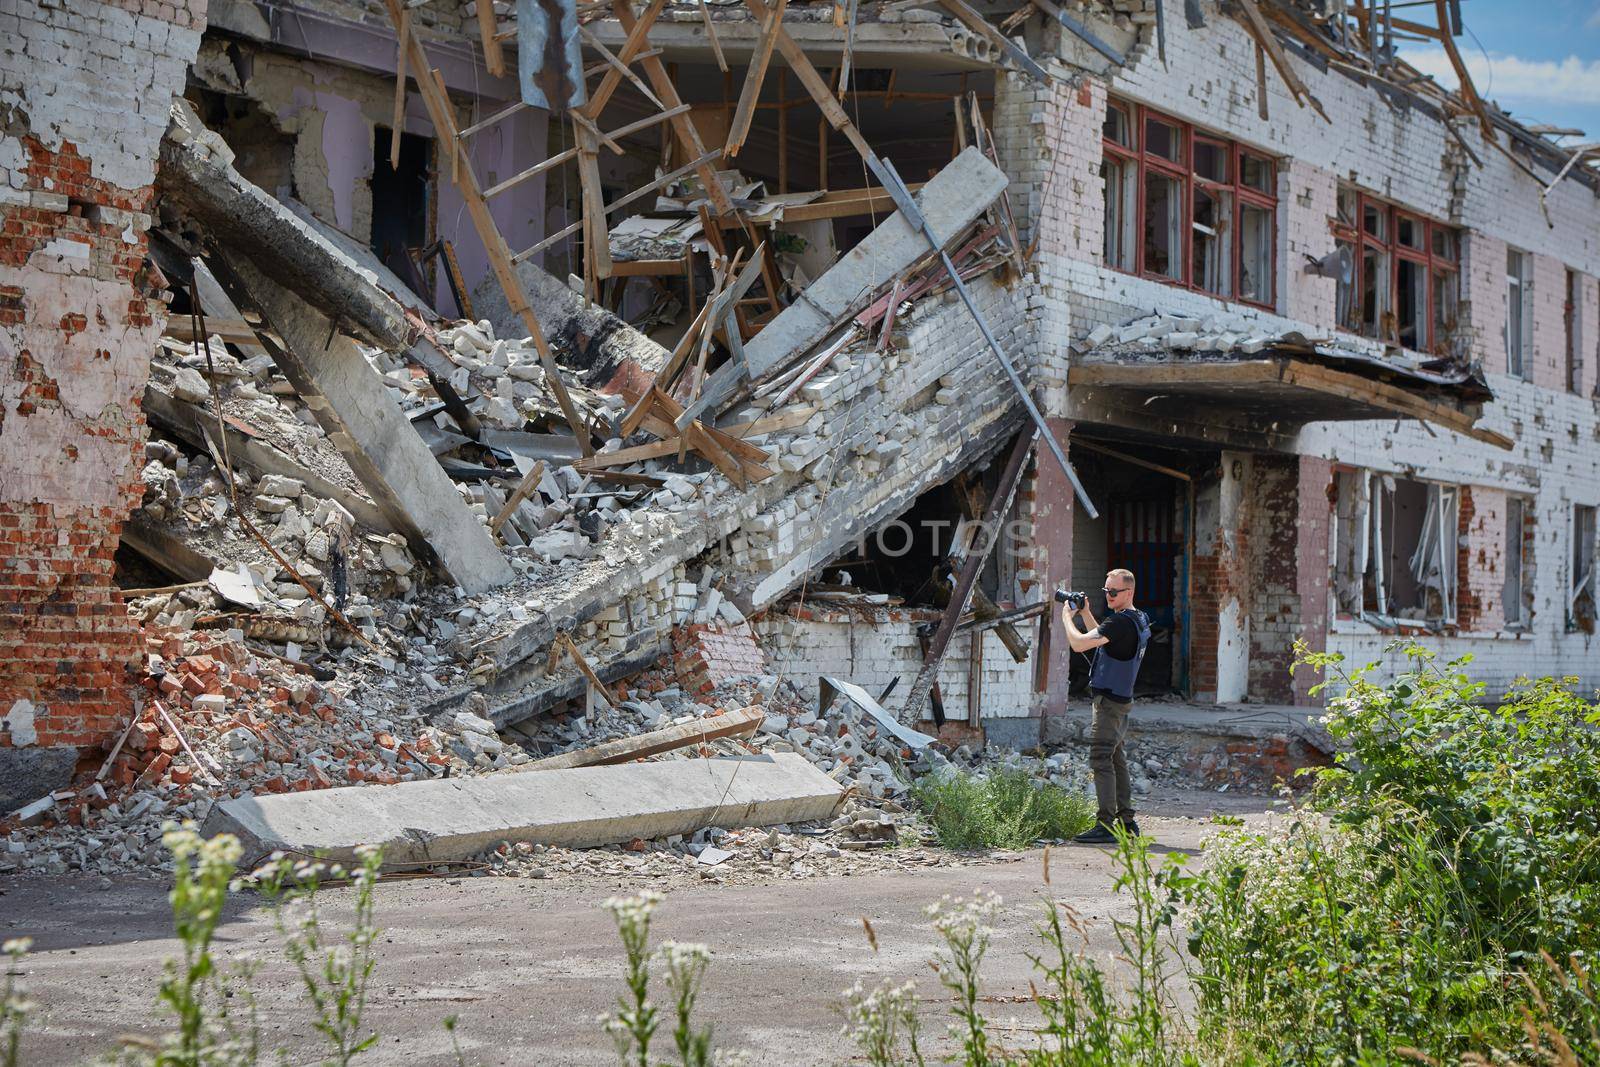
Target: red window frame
<point x="1143" y="162"/>
<point x="1432" y="264"/>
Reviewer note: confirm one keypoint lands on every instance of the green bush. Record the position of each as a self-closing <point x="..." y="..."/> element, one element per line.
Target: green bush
<point x="1005" y="809"/>
<point x="1400" y="914"/>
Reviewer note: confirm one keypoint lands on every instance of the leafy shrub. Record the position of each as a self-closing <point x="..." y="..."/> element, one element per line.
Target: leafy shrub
<point x="1510" y="794"/>
<point x="1006" y="809"/>
<point x="1395" y="919"/>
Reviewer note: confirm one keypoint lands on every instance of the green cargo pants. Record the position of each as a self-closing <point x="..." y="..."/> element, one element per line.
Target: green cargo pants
<point x="1113" y="789"/>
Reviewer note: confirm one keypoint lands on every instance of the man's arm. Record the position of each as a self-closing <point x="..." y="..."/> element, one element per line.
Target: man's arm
<point x="1079" y="640"/>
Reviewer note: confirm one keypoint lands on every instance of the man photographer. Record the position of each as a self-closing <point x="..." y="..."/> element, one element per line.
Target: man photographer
<point x="1119" y="643"/>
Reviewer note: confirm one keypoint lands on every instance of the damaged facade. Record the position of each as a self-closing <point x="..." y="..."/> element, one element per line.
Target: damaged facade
<point x="531" y="409"/>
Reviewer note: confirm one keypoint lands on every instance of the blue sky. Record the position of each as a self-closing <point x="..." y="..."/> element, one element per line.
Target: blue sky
<point x="1540" y="59"/>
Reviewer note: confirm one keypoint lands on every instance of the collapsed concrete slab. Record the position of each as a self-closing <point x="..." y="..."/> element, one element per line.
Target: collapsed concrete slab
<point x="950" y="202"/>
<point x="454" y="819"/>
<point x="367" y="426"/>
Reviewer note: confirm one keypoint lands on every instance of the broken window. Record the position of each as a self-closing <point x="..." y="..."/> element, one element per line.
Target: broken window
<point x="1395" y="543"/>
<point x="1163" y="225"/>
<point x="1213" y="241"/>
<point x="1255" y="253"/>
<point x="1581" y="597"/>
<point x="1405" y="286"/>
<point x="1120" y="209"/>
<point x="1574" y="316"/>
<point x="1205" y="209"/>
<point x="1519" y="315"/>
<point x="1517" y="596"/>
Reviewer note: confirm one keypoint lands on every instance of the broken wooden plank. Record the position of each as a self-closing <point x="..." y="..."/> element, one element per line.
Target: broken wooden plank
<point x="524" y="489"/>
<point x="1258" y="28"/>
<point x="582" y="663"/>
<point x="442" y="115"/>
<point x="968" y="577"/>
<point x="740" y="723"/>
<point x="688" y="134"/>
<point x="754" y="77"/>
<point x="633" y="46"/>
<point x="493" y="57"/>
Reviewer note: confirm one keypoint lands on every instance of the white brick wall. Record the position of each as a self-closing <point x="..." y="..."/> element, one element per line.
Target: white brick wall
<point x="872" y="652"/>
<point x="1050" y="142"/>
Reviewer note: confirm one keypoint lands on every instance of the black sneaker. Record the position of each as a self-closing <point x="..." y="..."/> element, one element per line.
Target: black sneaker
<point x="1131" y="827"/>
<point x="1100" y="835"/>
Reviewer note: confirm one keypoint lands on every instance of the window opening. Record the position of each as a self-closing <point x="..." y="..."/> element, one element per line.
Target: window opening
<point x="1517" y="597"/>
<point x="1518" y="320"/>
<point x="1574" y="319"/>
<point x="1581" y="597"/>
<point x="1406" y="290"/>
<point x="1187" y="208"/>
<point x="1395" y="545"/>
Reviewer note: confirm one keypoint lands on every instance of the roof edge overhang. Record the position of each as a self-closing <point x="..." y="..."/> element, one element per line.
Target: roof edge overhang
<point x="1282" y="390"/>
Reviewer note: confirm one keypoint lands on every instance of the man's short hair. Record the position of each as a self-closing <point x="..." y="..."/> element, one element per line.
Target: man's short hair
<point x="1125" y="576"/>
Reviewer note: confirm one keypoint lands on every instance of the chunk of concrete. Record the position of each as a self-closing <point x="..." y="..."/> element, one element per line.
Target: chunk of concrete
<point x="453" y="819"/>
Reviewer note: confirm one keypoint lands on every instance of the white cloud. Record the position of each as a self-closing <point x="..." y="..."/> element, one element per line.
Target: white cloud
<point x="1511" y="79"/>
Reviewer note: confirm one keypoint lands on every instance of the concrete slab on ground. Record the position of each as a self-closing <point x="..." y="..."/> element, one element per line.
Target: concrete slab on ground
<point x="456" y="818"/>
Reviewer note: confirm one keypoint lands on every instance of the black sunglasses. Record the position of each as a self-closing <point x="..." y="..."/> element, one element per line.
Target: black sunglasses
<point x="1111" y="592"/>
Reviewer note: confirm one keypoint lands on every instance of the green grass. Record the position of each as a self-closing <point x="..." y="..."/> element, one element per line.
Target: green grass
<point x="1006" y="809"/>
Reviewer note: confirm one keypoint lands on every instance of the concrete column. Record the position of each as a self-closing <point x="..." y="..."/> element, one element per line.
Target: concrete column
<point x="363" y="421"/>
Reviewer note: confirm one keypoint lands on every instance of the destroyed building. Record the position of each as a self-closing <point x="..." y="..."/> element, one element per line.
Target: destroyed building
<point x="437" y="364"/>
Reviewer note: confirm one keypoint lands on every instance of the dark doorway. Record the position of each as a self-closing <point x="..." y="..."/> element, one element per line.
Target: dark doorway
<point x="400" y="203"/>
<point x="1145" y="527"/>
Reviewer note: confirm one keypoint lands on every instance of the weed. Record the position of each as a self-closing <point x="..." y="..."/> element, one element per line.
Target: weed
<point x="334" y="976"/>
<point x="14" y="1003"/>
<point x="965" y="926"/>
<point x="883" y="1024"/>
<point x="1006" y="809"/>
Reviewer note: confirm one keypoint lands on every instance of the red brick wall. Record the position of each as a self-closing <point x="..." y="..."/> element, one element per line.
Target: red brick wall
<point x="1274" y="576"/>
<point x="1313" y="525"/>
<point x="77" y="326"/>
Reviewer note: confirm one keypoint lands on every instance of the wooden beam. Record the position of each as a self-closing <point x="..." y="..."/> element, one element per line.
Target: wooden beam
<point x="741" y="723"/>
<point x="970" y="567"/>
<point x="843" y="203"/>
<point x="571" y="153"/>
<point x="398" y="121"/>
<point x="648" y="268"/>
<point x="1081" y="442"/>
<point x="750" y="95"/>
<point x="1469" y="92"/>
<point x="524" y="489"/>
<point x="688" y="134"/>
<point x="442" y="116"/>
<point x="493" y="58"/>
<point x="571" y="648"/>
<point x="621" y="68"/>
<point x="1257" y="25"/>
<point x="633" y="46"/>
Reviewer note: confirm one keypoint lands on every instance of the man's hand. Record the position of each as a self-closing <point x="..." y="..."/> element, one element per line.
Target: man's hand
<point x="1078" y="640"/>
